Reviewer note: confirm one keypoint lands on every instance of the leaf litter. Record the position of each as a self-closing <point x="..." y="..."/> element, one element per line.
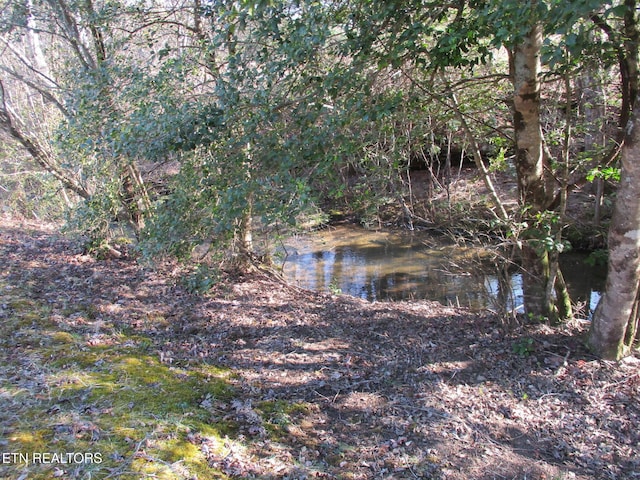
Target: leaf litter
<point x="258" y="379"/>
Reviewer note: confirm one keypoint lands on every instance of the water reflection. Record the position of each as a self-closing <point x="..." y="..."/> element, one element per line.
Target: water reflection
<point x="405" y="266"/>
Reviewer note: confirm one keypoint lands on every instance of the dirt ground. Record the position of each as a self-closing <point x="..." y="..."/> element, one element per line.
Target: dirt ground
<point x="380" y="390"/>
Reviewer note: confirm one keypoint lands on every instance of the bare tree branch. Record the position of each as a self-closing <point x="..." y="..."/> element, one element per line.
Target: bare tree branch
<point x="38" y="152"/>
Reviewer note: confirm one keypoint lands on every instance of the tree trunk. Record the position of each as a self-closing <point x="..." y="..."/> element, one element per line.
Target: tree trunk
<point x="532" y="160"/>
<point x="135" y="198"/>
<point x="245" y="232"/>
<point x="615" y="320"/>
<point x="629" y="71"/>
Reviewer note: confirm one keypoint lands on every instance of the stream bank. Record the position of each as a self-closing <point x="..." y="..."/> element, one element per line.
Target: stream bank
<point x="317" y="385"/>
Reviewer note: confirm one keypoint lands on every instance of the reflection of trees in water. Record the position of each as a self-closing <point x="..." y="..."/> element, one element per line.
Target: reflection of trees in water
<point x="585" y="282"/>
<point x="395" y="286"/>
<point x="356" y="274"/>
<point x="505" y="286"/>
<point x="368" y="272"/>
<point x="504" y="290"/>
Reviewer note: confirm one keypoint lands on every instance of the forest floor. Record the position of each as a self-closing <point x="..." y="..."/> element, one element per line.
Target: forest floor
<point x="112" y="369"/>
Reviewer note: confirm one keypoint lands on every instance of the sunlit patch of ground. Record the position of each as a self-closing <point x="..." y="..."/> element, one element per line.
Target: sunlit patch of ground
<point x="117" y="362"/>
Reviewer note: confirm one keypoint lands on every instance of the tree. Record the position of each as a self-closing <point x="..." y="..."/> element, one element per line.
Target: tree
<point x="615" y="321"/>
<point x="252" y="101"/>
<point x="29" y="108"/>
<point x="12" y="125"/>
<point x="268" y="132"/>
<point x="98" y="68"/>
<point x="614" y="328"/>
<point x="560" y="34"/>
<point x="533" y="166"/>
<point x="44" y="44"/>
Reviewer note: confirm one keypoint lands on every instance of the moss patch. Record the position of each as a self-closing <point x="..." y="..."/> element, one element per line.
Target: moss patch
<point x="108" y="399"/>
<point x="282" y="418"/>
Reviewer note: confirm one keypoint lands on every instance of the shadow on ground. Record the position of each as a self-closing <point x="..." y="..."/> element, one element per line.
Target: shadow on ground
<point x="262" y="380"/>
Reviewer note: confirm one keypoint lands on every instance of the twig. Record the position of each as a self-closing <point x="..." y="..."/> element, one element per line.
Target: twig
<point x="321" y="395"/>
<point x="129" y="461"/>
<point x="625" y="380"/>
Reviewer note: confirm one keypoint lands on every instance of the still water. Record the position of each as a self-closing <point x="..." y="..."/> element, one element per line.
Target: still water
<point x="413" y="265"/>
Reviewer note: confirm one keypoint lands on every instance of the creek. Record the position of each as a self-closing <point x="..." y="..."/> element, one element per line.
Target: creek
<point x="400" y="266"/>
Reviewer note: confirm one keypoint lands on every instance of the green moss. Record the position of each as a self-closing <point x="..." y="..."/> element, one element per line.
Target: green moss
<point x="139" y="342"/>
<point x="280" y="415"/>
<point x="181" y="450"/>
<point x="25" y="440"/>
<point x="125" y="406"/>
<point x="63" y="338"/>
<point x="23" y="304"/>
<point x="116" y="399"/>
<point x="26" y="312"/>
<point x="278" y="407"/>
